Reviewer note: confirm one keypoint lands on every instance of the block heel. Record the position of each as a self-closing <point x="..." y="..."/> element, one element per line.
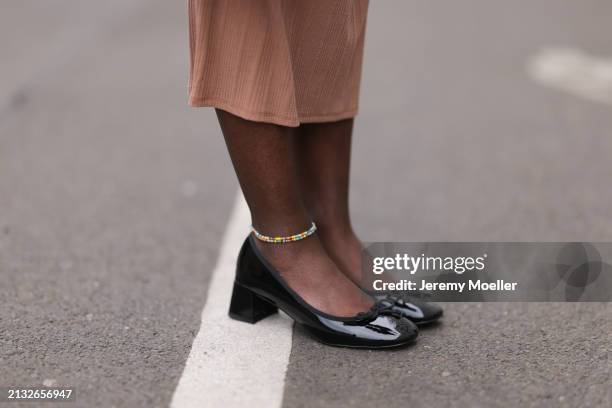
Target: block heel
<point x="246" y="306"/>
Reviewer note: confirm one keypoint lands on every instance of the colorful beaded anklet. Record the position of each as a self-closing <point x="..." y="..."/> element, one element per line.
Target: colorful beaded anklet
<point x="282" y="240"/>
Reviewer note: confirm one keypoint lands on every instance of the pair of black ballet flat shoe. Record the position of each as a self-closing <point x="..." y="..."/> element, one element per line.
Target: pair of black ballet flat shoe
<point x="260" y="291"/>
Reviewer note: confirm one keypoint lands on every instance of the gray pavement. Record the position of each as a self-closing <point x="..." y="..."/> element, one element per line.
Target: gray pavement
<point x="113" y="194"/>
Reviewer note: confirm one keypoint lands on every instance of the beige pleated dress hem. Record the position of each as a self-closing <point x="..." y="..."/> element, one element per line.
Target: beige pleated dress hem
<point x="284" y="62"/>
<point x="270" y="117"/>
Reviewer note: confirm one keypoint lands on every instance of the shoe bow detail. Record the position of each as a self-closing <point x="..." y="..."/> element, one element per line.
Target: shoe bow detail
<point x="413" y="308"/>
<point x="381" y="307"/>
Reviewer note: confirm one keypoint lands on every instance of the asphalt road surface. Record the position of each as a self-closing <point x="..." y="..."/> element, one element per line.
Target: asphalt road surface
<point x="113" y="196"/>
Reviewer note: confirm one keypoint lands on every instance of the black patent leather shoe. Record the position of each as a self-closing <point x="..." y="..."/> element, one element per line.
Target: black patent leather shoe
<point x="260" y="291"/>
<point x="418" y="311"/>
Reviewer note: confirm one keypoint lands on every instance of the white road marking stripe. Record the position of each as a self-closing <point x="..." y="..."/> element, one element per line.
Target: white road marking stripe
<point x="575" y="72"/>
<point x="232" y="363"/>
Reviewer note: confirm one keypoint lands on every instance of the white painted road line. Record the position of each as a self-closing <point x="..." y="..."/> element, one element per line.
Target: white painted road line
<point x="574" y="71"/>
<point x="232" y="363"/>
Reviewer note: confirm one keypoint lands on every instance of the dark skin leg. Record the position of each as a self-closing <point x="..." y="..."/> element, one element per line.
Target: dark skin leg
<point x="324" y="166"/>
<point x="264" y="157"/>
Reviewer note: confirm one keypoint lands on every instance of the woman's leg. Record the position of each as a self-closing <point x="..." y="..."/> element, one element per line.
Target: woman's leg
<point x="264" y="157"/>
<point x="324" y="156"/>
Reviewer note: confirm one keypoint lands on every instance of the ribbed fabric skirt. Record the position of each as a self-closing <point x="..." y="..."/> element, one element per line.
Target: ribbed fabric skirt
<point x="279" y="61"/>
